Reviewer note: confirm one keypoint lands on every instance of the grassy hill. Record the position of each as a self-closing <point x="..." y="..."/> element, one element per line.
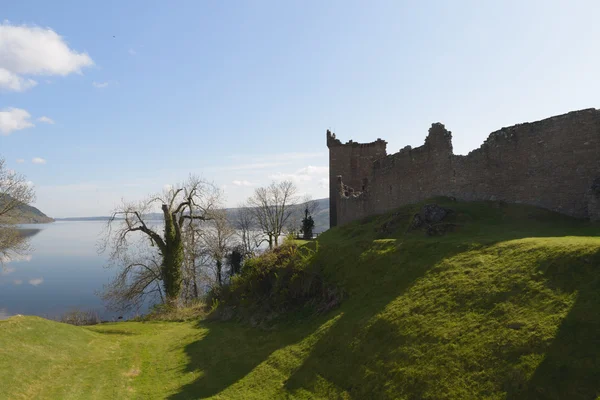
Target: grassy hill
<point x="505" y="306"/>
<point x="25" y="214"/>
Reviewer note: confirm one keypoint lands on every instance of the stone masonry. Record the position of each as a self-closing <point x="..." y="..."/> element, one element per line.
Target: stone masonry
<point x="553" y="163"/>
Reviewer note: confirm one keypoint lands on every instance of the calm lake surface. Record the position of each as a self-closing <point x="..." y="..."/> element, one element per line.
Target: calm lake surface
<point x="62" y="271"/>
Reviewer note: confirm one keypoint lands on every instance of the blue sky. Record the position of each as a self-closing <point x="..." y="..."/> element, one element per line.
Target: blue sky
<point x="142" y="93"/>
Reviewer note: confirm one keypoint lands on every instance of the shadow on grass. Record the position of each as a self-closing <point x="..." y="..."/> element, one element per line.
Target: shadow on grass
<point x="114" y="332"/>
<point x="227" y="353"/>
<point x="230" y="351"/>
<point x="571" y="366"/>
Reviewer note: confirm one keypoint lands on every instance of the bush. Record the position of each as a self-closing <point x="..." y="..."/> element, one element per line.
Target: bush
<point x="278" y="280"/>
<point x="80" y="317"/>
<point x="165" y="312"/>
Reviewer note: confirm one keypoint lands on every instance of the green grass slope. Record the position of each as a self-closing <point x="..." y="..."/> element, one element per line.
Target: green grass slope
<point x="25" y="214"/>
<point x="506" y="306"/>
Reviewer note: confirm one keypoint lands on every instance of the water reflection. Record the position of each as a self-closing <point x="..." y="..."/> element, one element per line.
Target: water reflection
<point x="14" y="244"/>
<point x="36" y="281"/>
<point x="60" y="272"/>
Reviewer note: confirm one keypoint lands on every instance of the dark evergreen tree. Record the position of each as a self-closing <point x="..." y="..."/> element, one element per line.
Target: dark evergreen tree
<point x="235" y="260"/>
<point x="307" y="225"/>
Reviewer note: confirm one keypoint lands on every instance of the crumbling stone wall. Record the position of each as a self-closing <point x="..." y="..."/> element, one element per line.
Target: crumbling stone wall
<point x="353" y="161"/>
<point x="553" y="163"/>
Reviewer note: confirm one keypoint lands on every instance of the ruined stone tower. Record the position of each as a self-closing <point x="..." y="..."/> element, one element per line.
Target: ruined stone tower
<point x="353" y="161"/>
<point x="553" y="163"/>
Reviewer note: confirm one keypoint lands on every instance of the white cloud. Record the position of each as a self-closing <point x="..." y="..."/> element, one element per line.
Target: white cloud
<point x="31" y="50"/>
<point x="20" y="160"/>
<point x="38" y="160"/>
<point x="310" y="170"/>
<point x="324" y="182"/>
<point x="13" y="82"/>
<point x="250" y="167"/>
<point x="100" y="85"/>
<point x="36" y="281"/>
<point x="18" y="281"/>
<point x="305" y="174"/>
<point x="132" y="52"/>
<point x="279" y="156"/>
<point x="46" y="120"/>
<point x="6" y="270"/>
<point x="14" y="119"/>
<point x="242" y="183"/>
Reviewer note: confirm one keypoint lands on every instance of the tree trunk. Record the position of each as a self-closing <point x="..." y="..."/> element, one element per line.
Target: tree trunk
<point x="195" y="285"/>
<point x="172" y="259"/>
<point x="219" y="274"/>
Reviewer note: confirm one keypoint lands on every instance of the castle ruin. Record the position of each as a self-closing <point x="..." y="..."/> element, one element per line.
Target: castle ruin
<point x="553" y="163"/>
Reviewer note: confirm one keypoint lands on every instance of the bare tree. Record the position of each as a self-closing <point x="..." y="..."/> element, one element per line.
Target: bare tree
<point x="218" y="239"/>
<point x="139" y="278"/>
<point x="195" y="200"/>
<point x="15" y="191"/>
<point x="272" y="207"/>
<point x="196" y="262"/>
<point x="247" y="230"/>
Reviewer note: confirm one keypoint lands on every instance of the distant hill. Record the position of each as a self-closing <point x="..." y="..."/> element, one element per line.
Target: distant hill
<point x="105" y="218"/>
<point x="320" y="216"/>
<point x="25" y="214"/>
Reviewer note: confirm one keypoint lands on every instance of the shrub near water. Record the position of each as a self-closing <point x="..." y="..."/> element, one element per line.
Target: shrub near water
<point x="279" y="280"/>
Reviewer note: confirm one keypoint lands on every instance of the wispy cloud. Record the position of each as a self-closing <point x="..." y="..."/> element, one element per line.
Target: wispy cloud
<point x="31" y="50"/>
<point x="73" y="187"/>
<point x="292" y="156"/>
<point x="14" y="119"/>
<point x="303" y="174"/>
<point x="242" y="183"/>
<point x="36" y="281"/>
<point x="6" y="270"/>
<point x="100" y="85"/>
<point x="46" y="120"/>
<point x="12" y="82"/>
<point x="20" y="160"/>
<point x="248" y="163"/>
<point x="38" y="160"/>
<point x="249" y="167"/>
<point x="132" y="52"/>
<point x="18" y="282"/>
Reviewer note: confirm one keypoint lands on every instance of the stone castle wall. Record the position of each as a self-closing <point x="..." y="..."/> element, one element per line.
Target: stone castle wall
<point x="553" y="163"/>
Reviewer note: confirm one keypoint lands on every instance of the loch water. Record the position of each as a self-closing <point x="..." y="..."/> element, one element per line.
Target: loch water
<point x="62" y="271"/>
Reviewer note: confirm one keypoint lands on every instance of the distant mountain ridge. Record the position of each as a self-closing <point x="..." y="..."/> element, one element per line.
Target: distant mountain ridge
<point x="320" y="215"/>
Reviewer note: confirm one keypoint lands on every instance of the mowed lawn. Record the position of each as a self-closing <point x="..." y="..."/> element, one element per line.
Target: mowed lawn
<point x="506" y="305"/>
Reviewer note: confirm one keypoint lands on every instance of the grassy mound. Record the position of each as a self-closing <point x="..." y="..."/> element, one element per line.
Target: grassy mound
<point x="504" y="306"/>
